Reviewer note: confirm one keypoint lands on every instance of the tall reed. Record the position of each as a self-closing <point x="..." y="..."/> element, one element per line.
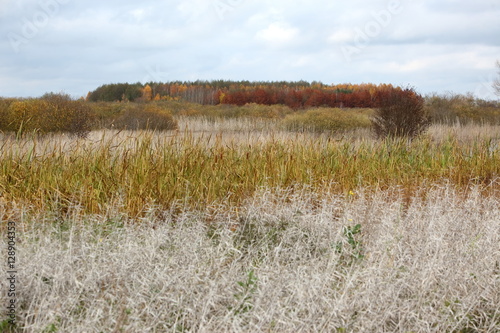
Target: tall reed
<point x="163" y="170"/>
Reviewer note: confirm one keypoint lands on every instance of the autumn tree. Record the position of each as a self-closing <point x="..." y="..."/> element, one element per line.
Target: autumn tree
<point x="147" y="93"/>
<point x="296" y="95"/>
<point x="260" y="96"/>
<point x="293" y="99"/>
<point x="115" y="92"/>
<point x="314" y="98"/>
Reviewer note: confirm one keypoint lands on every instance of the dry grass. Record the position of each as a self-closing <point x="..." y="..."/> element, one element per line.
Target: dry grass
<point x="240" y="226"/>
<point x="131" y="170"/>
<point x="249" y="131"/>
<point x="228" y="125"/>
<point x="328" y="120"/>
<point x="465" y="133"/>
<point x="281" y="262"/>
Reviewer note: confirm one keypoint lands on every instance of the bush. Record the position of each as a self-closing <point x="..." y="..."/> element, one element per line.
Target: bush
<point x="275" y="111"/>
<point x="4" y="113"/>
<point x="450" y="108"/>
<point x="144" y="116"/>
<point x="401" y="113"/>
<point x="51" y="113"/>
<point x="327" y="120"/>
<point x="106" y="112"/>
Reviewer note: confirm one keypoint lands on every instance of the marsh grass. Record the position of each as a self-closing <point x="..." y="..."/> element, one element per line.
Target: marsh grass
<point x="429" y="265"/>
<point x="329" y="120"/>
<point x="239" y="226"/>
<point x="133" y="170"/>
<point x="144" y="118"/>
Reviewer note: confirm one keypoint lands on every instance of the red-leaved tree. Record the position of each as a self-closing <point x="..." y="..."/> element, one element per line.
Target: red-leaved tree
<point x="401" y="113"/>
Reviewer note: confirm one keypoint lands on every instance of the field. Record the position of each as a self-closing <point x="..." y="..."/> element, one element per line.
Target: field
<point x="245" y="224"/>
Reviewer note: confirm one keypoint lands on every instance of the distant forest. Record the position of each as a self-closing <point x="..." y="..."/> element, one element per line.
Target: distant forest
<point x="296" y="95"/>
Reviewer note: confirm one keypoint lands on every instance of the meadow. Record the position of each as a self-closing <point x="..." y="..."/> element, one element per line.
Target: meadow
<point x="232" y="223"/>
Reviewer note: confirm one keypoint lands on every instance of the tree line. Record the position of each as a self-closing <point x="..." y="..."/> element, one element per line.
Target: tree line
<point x="296" y="95"/>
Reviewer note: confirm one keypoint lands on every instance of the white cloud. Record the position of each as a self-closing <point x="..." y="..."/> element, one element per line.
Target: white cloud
<point x="138" y="15"/>
<point x="194" y="10"/>
<point x="278" y="34"/>
<point x="342" y="36"/>
<point x="266" y="17"/>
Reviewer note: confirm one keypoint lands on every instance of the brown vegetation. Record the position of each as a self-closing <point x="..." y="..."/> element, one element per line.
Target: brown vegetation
<point x="401" y="114"/>
<point x="51" y="113"/>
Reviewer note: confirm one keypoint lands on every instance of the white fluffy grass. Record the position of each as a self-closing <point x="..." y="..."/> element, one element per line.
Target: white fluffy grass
<point x="431" y="265"/>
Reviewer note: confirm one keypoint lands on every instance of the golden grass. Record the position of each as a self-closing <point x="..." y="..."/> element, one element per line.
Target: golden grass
<point x="137" y="169"/>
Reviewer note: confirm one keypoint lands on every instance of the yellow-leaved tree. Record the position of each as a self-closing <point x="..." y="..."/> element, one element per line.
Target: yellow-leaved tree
<point x="147" y="93"/>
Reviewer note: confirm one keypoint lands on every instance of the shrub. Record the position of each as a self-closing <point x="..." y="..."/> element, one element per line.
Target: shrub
<point x="450" y="108"/>
<point x="326" y="120"/>
<point x="266" y="111"/>
<point x="401" y="113"/>
<point x="51" y="113"/>
<point x="106" y="112"/>
<point x="144" y="116"/>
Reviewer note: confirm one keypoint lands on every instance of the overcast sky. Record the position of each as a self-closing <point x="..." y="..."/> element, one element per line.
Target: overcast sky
<point x="75" y="46"/>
